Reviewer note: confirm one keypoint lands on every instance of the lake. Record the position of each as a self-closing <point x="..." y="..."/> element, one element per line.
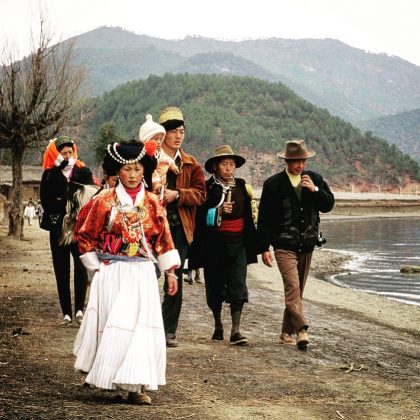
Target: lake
<point x="379" y="247"/>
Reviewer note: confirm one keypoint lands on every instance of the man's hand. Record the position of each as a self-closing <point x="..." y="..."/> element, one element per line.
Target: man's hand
<point x="169" y="196"/>
<point x="226" y="208"/>
<point x="267" y="258"/>
<point x="306" y="182"/>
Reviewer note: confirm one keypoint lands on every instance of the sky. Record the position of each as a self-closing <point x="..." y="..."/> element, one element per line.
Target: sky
<point x="377" y="26"/>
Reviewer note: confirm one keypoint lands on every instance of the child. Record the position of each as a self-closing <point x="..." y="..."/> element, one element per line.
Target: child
<point x="150" y="131"/>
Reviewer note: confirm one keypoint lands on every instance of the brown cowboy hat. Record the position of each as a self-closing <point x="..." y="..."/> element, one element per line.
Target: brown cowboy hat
<point x="295" y="149"/>
<point x="223" y="152"/>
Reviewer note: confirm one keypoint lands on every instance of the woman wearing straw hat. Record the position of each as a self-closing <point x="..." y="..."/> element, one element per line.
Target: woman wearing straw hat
<point x="288" y="220"/>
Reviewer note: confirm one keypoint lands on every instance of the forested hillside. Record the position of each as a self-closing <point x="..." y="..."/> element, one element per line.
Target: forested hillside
<point x="256" y="118"/>
<point x="402" y="129"/>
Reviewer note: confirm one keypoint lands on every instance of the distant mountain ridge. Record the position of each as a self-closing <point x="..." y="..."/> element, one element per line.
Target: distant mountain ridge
<point x="401" y="129"/>
<point x="347" y="81"/>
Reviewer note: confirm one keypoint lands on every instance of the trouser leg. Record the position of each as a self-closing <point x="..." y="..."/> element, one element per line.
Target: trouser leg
<point x="236" y="313"/>
<point x="61" y="263"/>
<point x="294" y="270"/>
<point x="80" y="280"/>
<point x="171" y="305"/>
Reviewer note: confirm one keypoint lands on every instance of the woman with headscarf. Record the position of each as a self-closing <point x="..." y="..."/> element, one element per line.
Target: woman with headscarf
<point x="121" y="342"/>
<point x="63" y="175"/>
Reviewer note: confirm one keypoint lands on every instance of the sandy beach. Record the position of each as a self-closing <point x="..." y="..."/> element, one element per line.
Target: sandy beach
<point x="363" y="360"/>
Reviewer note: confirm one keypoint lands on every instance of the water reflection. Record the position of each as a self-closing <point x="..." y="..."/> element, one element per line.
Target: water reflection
<point x="379" y="248"/>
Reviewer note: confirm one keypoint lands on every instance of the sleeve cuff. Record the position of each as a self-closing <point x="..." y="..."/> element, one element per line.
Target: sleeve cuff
<point x="168" y="260"/>
<point x="90" y="260"/>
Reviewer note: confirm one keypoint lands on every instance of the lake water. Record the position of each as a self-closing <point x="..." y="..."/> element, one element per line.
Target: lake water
<point x="379" y="247"/>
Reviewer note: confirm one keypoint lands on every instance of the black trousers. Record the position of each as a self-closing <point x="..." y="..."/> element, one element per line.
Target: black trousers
<point x="171" y="305"/>
<point x="225" y="273"/>
<point x="61" y="263"/>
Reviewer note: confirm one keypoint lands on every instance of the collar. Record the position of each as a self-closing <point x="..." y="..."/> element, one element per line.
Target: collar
<point x="125" y="199"/>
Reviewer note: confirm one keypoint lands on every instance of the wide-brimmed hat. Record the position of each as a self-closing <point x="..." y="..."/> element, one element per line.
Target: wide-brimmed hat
<point x="223" y="152"/>
<point x="295" y="149"/>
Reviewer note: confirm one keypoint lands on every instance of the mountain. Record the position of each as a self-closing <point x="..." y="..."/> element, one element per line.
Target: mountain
<point x="349" y="82"/>
<point x="256" y="118"/>
<point x="401" y="129"/>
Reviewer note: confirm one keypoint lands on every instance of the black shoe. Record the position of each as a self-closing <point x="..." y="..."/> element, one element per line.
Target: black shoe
<point x="238" y="339"/>
<point x="188" y="280"/>
<point x="198" y="279"/>
<point x="218" y="334"/>
<point x="171" y="340"/>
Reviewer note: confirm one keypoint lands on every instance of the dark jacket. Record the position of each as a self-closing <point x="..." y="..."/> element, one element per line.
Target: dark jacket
<point x="206" y="237"/>
<point x="287" y="223"/>
<point x="55" y="190"/>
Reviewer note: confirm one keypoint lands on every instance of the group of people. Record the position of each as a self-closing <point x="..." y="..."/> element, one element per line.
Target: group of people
<point x="154" y="210"/>
<point x="32" y="211"/>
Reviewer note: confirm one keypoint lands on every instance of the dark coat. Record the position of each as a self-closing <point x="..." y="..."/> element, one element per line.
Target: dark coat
<point x="55" y="190"/>
<point x="206" y="237"/>
<point x="287" y="223"/>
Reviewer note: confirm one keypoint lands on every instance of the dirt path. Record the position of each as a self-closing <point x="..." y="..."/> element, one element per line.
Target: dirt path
<point x="209" y="380"/>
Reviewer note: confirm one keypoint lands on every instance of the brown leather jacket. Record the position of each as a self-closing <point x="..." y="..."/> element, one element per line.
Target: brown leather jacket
<point x="191" y="185"/>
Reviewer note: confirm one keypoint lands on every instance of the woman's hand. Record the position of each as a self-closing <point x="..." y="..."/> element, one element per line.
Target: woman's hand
<point x="267" y="258"/>
<point x="172" y="281"/>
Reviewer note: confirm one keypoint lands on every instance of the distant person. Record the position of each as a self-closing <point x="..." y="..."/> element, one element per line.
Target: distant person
<point x="29" y="212"/>
<point x="64" y="174"/>
<point x="184" y="191"/>
<point x="225" y="241"/>
<point x="39" y="211"/>
<point x="121" y="342"/>
<point x="288" y="220"/>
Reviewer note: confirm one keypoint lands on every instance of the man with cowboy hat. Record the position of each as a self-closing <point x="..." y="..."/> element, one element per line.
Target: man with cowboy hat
<point x="225" y="240"/>
<point x="288" y="220"/>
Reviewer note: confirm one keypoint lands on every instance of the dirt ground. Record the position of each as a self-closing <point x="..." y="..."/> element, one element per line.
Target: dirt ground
<point x="363" y="361"/>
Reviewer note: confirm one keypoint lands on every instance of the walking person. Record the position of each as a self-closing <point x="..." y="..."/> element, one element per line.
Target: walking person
<point x="183" y="193"/>
<point x="121" y="342"/>
<point x="288" y="220"/>
<point x="29" y="212"/>
<point x="225" y="241"/>
<point x="39" y="211"/>
<point x="63" y="176"/>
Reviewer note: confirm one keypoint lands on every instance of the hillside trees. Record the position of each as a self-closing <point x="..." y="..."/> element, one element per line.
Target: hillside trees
<point x="255" y="117"/>
<point x="36" y="97"/>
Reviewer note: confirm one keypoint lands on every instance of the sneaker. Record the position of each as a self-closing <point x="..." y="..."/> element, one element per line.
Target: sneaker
<point x="218" y="334"/>
<point x="286" y="338"/>
<point x="66" y="320"/>
<point x="171" y="340"/>
<point x="138" y="398"/>
<point x="79" y="317"/>
<point x="238" y="339"/>
<point x="302" y="339"/>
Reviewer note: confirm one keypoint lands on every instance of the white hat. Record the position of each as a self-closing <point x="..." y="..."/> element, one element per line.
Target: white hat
<point x="150" y="129"/>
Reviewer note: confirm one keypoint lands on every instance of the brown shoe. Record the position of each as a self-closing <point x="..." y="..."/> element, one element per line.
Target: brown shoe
<point x="286" y="338"/>
<point x="302" y="339"/>
<point x="138" y="398"/>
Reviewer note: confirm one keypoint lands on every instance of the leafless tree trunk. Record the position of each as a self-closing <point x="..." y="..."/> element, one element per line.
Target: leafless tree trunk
<point x="37" y="95"/>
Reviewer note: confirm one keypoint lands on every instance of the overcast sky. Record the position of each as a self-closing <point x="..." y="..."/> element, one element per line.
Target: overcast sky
<point x="379" y="26"/>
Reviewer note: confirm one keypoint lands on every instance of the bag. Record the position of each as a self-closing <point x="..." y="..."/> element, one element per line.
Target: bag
<point x="213" y="219"/>
<point x="52" y="222"/>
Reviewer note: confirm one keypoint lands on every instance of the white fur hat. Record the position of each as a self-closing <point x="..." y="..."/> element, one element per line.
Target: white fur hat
<point x="149" y="129"/>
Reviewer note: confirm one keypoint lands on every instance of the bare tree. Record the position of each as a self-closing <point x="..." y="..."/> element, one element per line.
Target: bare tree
<point x="37" y="95"/>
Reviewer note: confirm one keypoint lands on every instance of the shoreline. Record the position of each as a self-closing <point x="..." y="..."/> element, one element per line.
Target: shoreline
<point x="319" y="290"/>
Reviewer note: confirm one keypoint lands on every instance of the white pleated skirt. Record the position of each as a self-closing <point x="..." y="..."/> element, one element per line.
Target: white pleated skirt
<point x="121" y="342"/>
